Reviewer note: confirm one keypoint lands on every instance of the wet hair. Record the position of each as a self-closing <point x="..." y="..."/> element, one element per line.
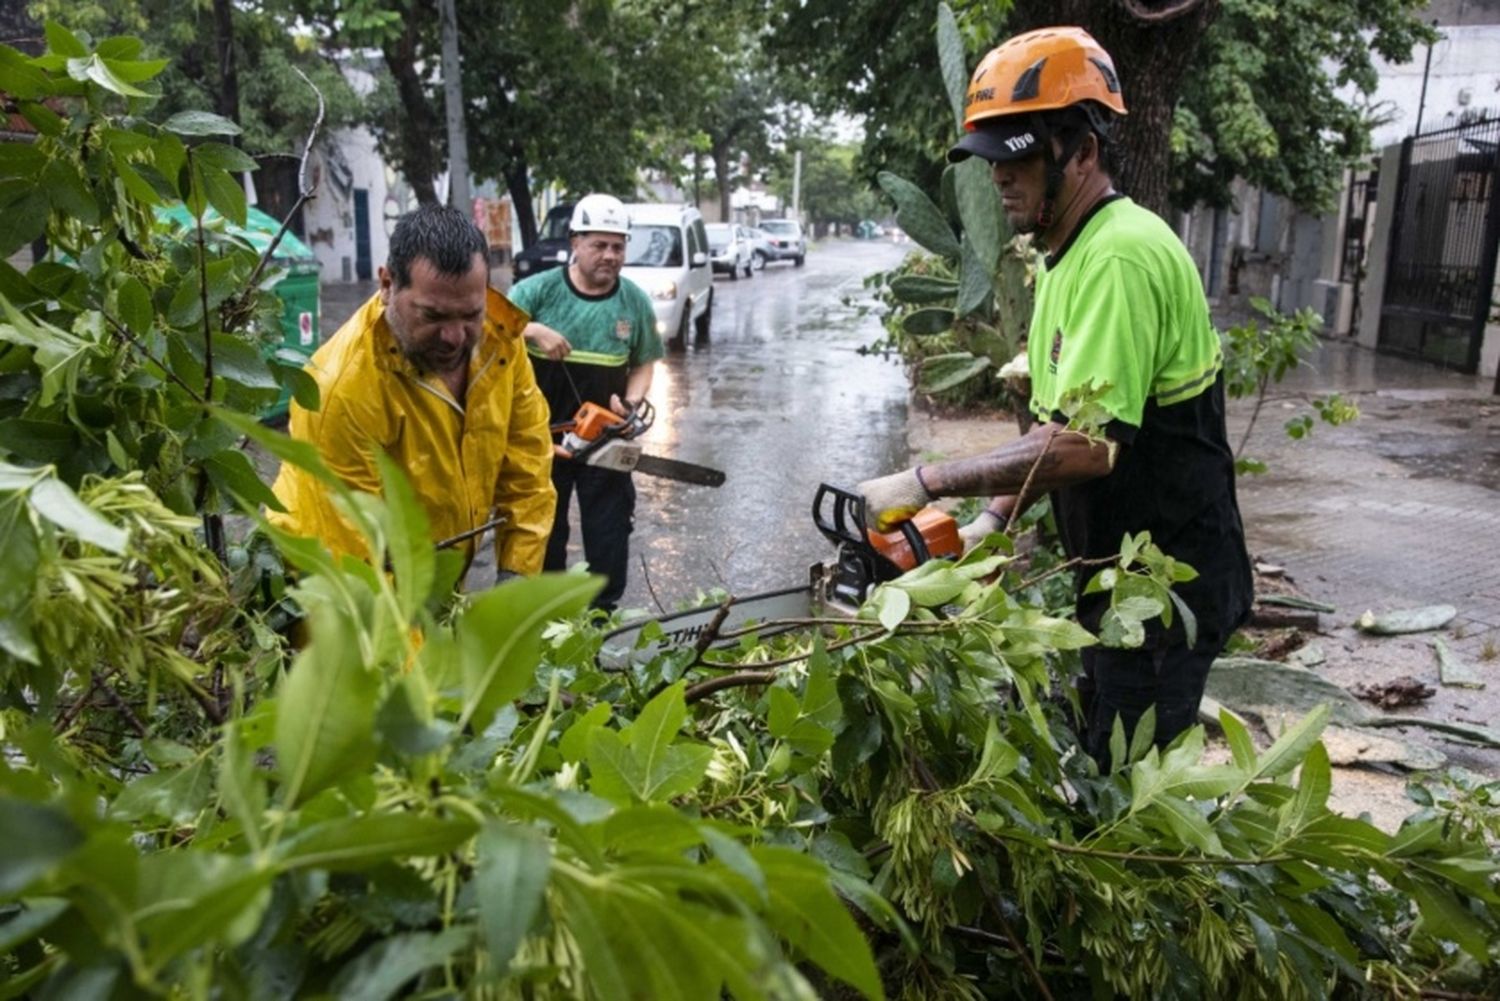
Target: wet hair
<point x="442" y="235"/>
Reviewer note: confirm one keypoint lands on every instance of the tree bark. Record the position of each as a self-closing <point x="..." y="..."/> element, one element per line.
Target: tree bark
<point x="721" y="172"/>
<point x="227" y="95"/>
<point x="1153" y="43"/>
<point x="420" y="146"/>
<point x="459" y="194"/>
<point x="518" y="184"/>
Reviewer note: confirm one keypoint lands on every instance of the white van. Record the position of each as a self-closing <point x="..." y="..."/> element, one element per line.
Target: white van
<point x="667" y="255"/>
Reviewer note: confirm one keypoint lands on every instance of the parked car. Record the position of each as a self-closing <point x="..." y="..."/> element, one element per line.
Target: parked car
<point x="550" y="249"/>
<point x="729" y="249"/>
<point x="667" y="255"/>
<point x="784" y="241"/>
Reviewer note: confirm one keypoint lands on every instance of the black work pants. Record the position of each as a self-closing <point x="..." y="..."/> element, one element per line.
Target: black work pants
<point x="606" y="505"/>
<point x="1125" y="683"/>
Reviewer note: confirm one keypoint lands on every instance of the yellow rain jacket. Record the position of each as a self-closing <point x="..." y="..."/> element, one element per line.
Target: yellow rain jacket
<point x="493" y="451"/>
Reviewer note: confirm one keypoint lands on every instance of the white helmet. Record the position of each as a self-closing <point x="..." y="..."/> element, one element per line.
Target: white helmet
<point x="600" y="214"/>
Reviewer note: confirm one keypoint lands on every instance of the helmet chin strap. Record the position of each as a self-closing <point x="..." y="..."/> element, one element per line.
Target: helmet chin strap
<point x="1047" y="214"/>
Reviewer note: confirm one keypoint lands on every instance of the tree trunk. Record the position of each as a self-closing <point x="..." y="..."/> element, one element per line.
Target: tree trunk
<point x="1153" y="43"/>
<point x="227" y="96"/>
<point x="459" y="194"/>
<point x="721" y="174"/>
<point x="420" y="146"/>
<point x="519" y="185"/>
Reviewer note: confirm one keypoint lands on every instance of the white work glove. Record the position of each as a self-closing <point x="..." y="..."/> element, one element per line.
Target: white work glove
<point x="977" y="530"/>
<point x="890" y="500"/>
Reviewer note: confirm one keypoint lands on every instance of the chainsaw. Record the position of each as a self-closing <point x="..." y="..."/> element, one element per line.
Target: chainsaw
<point x="864" y="558"/>
<point x="597" y="436"/>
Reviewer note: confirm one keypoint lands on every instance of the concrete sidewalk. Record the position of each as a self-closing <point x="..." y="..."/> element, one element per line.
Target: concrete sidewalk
<point x="1399" y="509"/>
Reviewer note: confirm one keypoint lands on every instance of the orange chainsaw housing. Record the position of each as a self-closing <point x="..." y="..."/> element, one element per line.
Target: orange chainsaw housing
<point x="938" y="529"/>
<point x="591" y="420"/>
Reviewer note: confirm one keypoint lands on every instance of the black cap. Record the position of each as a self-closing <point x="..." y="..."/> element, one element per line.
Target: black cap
<point x="999" y="139"/>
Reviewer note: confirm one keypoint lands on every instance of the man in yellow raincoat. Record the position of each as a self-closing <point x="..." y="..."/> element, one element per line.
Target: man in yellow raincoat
<point x="433" y="371"/>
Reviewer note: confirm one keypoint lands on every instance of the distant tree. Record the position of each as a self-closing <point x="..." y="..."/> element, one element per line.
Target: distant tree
<point x="832" y="189"/>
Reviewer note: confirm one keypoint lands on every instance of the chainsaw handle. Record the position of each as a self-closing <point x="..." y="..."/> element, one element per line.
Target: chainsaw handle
<point x="847" y="523"/>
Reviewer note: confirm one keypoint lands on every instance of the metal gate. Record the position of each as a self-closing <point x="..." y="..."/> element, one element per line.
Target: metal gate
<point x="1444" y="238"/>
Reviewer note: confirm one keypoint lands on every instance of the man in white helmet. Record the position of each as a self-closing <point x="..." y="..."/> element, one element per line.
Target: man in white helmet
<point x="592" y="339"/>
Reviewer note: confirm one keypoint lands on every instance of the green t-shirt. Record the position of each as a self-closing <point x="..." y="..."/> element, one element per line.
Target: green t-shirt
<point x="1121" y="304"/>
<point x="616" y="328"/>
<point x="610" y="334"/>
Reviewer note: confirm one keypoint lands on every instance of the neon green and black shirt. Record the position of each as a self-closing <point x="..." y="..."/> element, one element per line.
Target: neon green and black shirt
<point x="1121" y="305"/>
<point x="610" y="334"/>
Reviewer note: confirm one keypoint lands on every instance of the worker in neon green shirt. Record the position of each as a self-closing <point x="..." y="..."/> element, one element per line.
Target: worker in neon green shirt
<point x="1119" y="305"/>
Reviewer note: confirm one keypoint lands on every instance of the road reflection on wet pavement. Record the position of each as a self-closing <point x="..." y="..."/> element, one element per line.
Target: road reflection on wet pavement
<point x="781" y="400"/>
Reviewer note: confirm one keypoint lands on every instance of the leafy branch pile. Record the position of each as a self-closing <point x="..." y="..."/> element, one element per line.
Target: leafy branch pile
<point x="451" y="796"/>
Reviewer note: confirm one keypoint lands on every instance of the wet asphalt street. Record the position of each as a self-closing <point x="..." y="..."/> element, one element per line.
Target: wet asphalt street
<point x="781" y="400"/>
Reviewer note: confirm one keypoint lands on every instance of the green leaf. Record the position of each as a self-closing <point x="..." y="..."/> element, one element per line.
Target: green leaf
<point x="810" y="916"/>
<point x="175" y="796"/>
<point x="325" y="721"/>
<point x="951" y="56"/>
<point x="302" y="454"/>
<point x="36" y="914"/>
<point x="134" y="303"/>
<point x="239" y="361"/>
<point x="354" y="843"/>
<point x="983" y="221"/>
<point x="927" y="321"/>
<point x="1290" y="749"/>
<point x="20" y="78"/>
<point x="976" y="282"/>
<point x="224" y="157"/>
<point x="921" y="289"/>
<point x="614" y="772"/>
<point x="919" y="217"/>
<point x="1238" y="738"/>
<point x="943" y="372"/>
<point x="96" y="70"/>
<point x="18" y="567"/>
<point x="999" y="757"/>
<point x="892" y="606"/>
<point x="242" y="786"/>
<point x="666" y="770"/>
<point x="384" y="969"/>
<point x="513" y="865"/>
<point x="62" y="42"/>
<point x="36" y="838"/>
<point x="233" y="472"/>
<point x="220" y="189"/>
<point x="820" y="699"/>
<point x="133" y="70"/>
<point x="55" y="501"/>
<point x="784" y="712"/>
<point x="932" y="584"/>
<point x="1314" y="783"/>
<point x="200" y="123"/>
<point x="500" y="638"/>
<point x="408" y="537"/>
<point x="574" y="743"/>
<point x="1445" y="916"/>
<point x="189" y="898"/>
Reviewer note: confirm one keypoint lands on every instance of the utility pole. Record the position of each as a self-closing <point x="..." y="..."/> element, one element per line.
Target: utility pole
<point x="453" y="99"/>
<point x="797" y="185"/>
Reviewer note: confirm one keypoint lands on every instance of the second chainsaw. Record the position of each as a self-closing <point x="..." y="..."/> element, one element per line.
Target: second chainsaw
<point x="597" y="436"/>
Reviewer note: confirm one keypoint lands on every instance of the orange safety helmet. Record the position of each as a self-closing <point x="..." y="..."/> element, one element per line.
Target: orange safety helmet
<point x="1042" y="70"/>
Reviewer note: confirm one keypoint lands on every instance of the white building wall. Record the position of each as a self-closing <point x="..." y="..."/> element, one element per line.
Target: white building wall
<point x="1463" y="83"/>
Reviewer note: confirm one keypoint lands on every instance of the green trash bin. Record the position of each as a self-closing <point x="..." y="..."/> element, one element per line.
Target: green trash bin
<point x="299" y="291"/>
